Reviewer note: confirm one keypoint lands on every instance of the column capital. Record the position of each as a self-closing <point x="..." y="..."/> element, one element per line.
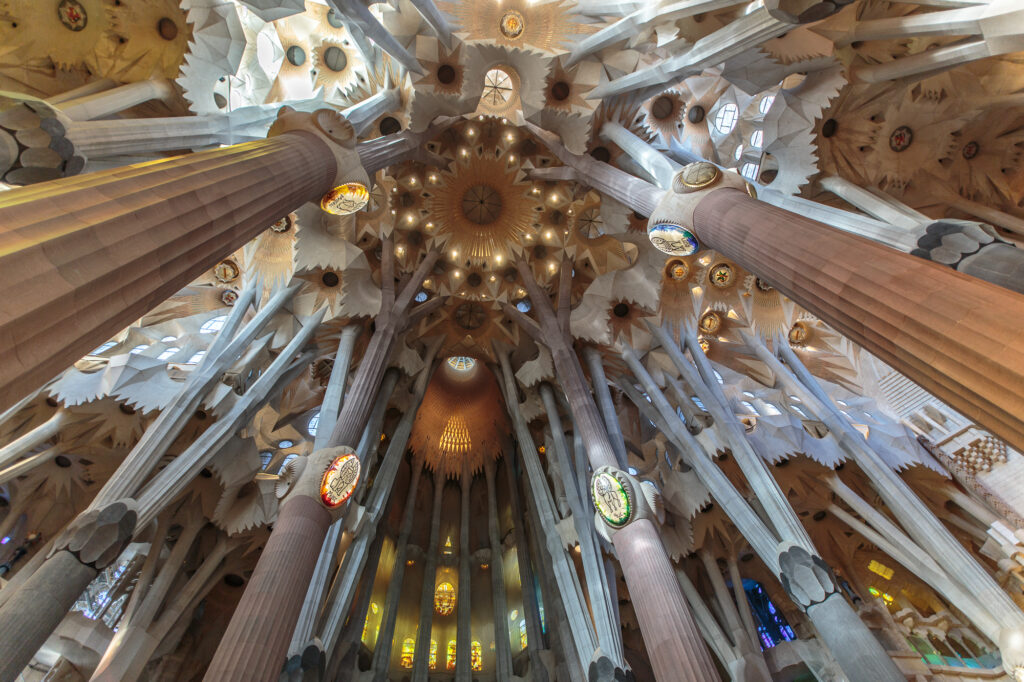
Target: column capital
<point x="807" y="579"/>
<point x="33" y="142"/>
<point x="328" y="476"/>
<point x="670" y="226"/>
<point x="619" y="499"/>
<point x="97" y="537"/>
<point x="340" y="137"/>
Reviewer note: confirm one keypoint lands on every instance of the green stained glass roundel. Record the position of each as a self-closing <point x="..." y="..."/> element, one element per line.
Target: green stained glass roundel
<point x="611" y="499"/>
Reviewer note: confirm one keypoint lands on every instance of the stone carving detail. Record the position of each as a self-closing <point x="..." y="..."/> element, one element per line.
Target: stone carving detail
<point x="33" y="143"/>
<point x="98" y="536"/>
<point x="806" y="578"/>
<point x="602" y="669"/>
<point x="950" y="241"/>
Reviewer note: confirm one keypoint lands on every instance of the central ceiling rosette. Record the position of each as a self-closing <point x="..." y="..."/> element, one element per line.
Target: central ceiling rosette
<point x="484" y="207"/>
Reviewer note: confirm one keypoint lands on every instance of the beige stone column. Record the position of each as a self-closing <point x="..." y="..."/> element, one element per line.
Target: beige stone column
<point x="958" y="337"/>
<point x="82" y="257"/>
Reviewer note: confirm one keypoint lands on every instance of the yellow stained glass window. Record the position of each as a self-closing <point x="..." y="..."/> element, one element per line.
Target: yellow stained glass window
<point x="522" y="634"/>
<point x="476" y="657"/>
<point x="880" y="569"/>
<point x="433" y="654"/>
<point x="408" y="651"/>
<point x="444" y="599"/>
<point x="450" y="661"/>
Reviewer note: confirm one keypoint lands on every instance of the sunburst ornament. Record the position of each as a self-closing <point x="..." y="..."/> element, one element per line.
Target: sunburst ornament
<point x="345" y="199"/>
<point x="339" y="481"/>
<point x="549" y="26"/>
<point x="484" y="207"/>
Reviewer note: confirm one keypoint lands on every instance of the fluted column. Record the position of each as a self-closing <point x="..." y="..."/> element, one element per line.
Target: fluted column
<point x="502" y="650"/>
<point x="463" y="633"/>
<point x="954" y="335"/>
<point x="82" y="257"/>
<point x="109" y="102"/>
<point x="534" y="636"/>
<point x="595" y="364"/>
<point x="420" y="668"/>
<point x="382" y="652"/>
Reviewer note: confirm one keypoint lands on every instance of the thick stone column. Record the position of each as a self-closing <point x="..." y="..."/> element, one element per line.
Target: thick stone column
<point x="115" y="100"/>
<point x="595" y="365"/>
<point x="463" y="633"/>
<point x="954" y="335"/>
<point x="673" y="643"/>
<point x="382" y="652"/>
<point x="82" y="257"/>
<point x="502" y="647"/>
<point x="420" y="667"/>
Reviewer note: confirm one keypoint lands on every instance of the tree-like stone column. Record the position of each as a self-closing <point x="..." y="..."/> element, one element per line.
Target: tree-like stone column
<point x="954" y="335"/>
<point x="420" y="669"/>
<point x="82" y="257"/>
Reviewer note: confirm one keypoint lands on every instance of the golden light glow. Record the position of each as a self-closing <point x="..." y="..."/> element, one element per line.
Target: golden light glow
<point x="455" y="438"/>
<point x="444" y="599"/>
<point x="345" y="199"/>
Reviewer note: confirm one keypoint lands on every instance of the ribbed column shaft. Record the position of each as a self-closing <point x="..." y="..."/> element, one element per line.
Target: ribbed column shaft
<point x="463" y="634"/>
<point x="595" y="364"/>
<point x="34" y="611"/>
<point x="77" y="269"/>
<point x="956" y="336"/>
<point x="502" y="649"/>
<point x="256" y="640"/>
<point x="382" y="652"/>
<point x="420" y="668"/>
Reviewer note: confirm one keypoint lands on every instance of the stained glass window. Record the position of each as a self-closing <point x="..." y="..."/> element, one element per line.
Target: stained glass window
<point x="476" y="657"/>
<point x="772" y="627"/>
<point x="444" y="599"/>
<point x="725" y="119"/>
<point x="522" y="633"/>
<point x="314" y="422"/>
<point x="433" y="654"/>
<point x="408" y="651"/>
<point x="212" y="325"/>
<point x="450" y="661"/>
<point x="461" y="363"/>
<point x="168" y="352"/>
<point x="104" y="347"/>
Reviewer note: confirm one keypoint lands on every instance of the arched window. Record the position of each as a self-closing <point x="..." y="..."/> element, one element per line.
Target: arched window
<point x="444" y="599"/>
<point x="408" y="652"/>
<point x="749" y="171"/>
<point x="725" y="119"/>
<point x="718" y="377"/>
<point x="476" y="657"/>
<point x="168" y="339"/>
<point x="103" y="348"/>
<point x="214" y="324"/>
<point x="750" y="406"/>
<point x="698" y="403"/>
<point x="522" y="633"/>
<point x="772" y="627"/>
<point x="433" y="654"/>
<point x="139" y="348"/>
<point x="284" y="463"/>
<point x="194" y="360"/>
<point x="167" y="353"/>
<point x="800" y="412"/>
<point x="450" y="661"/>
<point x="757" y="138"/>
<point x="265" y="458"/>
<point x="766" y="103"/>
<point x="313" y="423"/>
<point x="771" y="410"/>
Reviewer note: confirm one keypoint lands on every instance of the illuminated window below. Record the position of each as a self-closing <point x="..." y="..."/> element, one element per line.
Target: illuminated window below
<point x="450" y="661"/>
<point x="476" y="657"/>
<point x="408" y="651"/>
<point x="433" y="654"/>
<point x="461" y="363"/>
<point x="444" y="599"/>
<point x="522" y="634"/>
<point x="880" y="569"/>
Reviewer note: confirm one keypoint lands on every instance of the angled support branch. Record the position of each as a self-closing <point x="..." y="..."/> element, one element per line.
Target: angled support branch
<point x="527" y="325"/>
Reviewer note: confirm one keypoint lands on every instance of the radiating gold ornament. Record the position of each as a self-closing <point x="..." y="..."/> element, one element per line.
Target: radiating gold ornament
<point x="345" y="199"/>
<point x="677" y="269"/>
<point x="799" y="333"/>
<point x="722" y="275"/>
<point x="710" y="322"/>
<point x="339" y="481"/>
<point x="512" y="24"/>
<point x="226" y="271"/>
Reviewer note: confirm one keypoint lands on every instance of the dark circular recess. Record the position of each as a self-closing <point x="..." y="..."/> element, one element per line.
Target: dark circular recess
<point x="829" y="127"/>
<point x="446" y="74"/>
<point x="295" y="55"/>
<point x="201" y="414"/>
<point x="695" y="114"/>
<point x="620" y="310"/>
<point x="819" y="515"/>
<point x="4" y="502"/>
<point x="234" y="580"/>
<point x="639" y="216"/>
<point x="971" y="149"/>
<point x="219" y="100"/>
<point x="389" y="125"/>
<point x="206" y="473"/>
<point x="52" y="402"/>
<point x="62" y="461"/>
<point x="560" y="91"/>
<point x="330" y="279"/>
<point x="470" y="315"/>
<point x="481" y="204"/>
<point x="782" y="463"/>
<point x="763" y="285"/>
<point x="167" y="29"/>
<point x="126" y="409"/>
<point x="335" y="59"/>
<point x="601" y="154"/>
<point x="662" y="107"/>
<point x="474" y="279"/>
<point x="333" y="19"/>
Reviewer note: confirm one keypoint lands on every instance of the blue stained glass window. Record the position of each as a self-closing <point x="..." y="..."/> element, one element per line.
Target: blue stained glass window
<point x="772" y="627"/>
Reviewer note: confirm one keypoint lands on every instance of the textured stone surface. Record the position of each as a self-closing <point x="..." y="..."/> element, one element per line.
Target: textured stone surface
<point x="33" y="143"/>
